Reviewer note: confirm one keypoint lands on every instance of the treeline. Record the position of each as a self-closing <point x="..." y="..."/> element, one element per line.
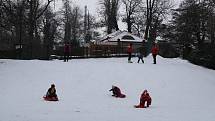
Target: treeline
<point x="193" y="28"/>
<point x="143" y="18"/>
<point x="33" y="27"/>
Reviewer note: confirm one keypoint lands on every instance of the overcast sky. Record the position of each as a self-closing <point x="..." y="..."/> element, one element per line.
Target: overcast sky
<point x="93" y="6"/>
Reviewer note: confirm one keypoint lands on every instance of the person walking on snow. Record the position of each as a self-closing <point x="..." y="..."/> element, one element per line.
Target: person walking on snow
<point x="66" y="52"/>
<point x="154" y="52"/>
<point x="130" y="49"/>
<point x="145" y="98"/>
<point x="140" y="56"/>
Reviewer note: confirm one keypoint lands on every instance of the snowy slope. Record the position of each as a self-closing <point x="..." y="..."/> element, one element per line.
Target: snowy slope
<point x="180" y="91"/>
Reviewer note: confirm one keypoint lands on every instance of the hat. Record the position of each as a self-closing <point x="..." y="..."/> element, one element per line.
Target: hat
<point x="52" y="85"/>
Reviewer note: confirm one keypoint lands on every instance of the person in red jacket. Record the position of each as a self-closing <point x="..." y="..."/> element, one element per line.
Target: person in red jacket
<point x="66" y="52"/>
<point x="154" y="52"/>
<point x="116" y="92"/>
<point x="145" y="98"/>
<point x="130" y="49"/>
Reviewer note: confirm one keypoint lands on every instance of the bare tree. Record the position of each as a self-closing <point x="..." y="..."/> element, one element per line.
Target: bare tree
<point x="36" y="10"/>
<point x="131" y="7"/>
<point x="149" y="11"/>
<point x="156" y="12"/>
<point x="161" y="11"/>
<point x="50" y="25"/>
<point x="76" y="26"/>
<point x="89" y="25"/>
<point x="109" y="12"/>
<point x="211" y="21"/>
<point x="67" y="13"/>
<point x="115" y="7"/>
<point x="13" y="24"/>
<point x="139" y="25"/>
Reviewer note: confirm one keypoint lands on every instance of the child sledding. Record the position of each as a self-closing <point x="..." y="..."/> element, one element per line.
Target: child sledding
<point x="117" y="92"/>
<point x="145" y="98"/>
<point x="51" y="94"/>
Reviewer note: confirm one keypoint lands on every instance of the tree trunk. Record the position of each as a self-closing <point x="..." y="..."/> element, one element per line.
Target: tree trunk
<point x="31" y="31"/>
<point x="129" y="24"/>
<point x="109" y="27"/>
<point x="149" y="7"/>
<point x="116" y="24"/>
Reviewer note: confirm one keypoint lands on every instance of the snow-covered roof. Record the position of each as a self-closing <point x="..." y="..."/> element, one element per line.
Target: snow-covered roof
<point x="116" y="33"/>
<point x="124" y="36"/>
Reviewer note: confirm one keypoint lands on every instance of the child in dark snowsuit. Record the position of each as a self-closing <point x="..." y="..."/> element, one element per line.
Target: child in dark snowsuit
<point x="66" y="52"/>
<point x="51" y="94"/>
<point x="145" y="98"/>
<point x="140" y="56"/>
<point x="116" y="92"/>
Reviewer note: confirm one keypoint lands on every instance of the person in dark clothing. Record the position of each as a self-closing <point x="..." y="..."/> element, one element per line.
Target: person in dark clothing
<point x="66" y="52"/>
<point x="140" y="56"/>
<point x="145" y="98"/>
<point x="51" y="94"/>
<point x="130" y="49"/>
<point x="154" y="52"/>
<point x="116" y="92"/>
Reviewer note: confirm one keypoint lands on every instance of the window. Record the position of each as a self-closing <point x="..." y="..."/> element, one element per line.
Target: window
<point x="128" y="37"/>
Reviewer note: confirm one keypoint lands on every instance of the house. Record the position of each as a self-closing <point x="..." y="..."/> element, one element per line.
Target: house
<point x="121" y="38"/>
<point x="116" y="43"/>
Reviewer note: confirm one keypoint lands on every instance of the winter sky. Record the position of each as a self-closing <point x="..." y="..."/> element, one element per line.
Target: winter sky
<point x="93" y="6"/>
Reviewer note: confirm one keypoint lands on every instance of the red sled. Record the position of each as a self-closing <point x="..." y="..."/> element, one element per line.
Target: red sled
<point x="50" y="98"/>
<point x="139" y="106"/>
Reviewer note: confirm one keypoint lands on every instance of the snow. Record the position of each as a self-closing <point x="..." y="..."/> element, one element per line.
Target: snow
<point x="113" y="37"/>
<point x="180" y="91"/>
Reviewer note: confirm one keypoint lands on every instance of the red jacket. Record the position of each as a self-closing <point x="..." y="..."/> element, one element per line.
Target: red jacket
<point x="130" y="49"/>
<point x="67" y="48"/>
<point x="145" y="97"/>
<point x="154" y="50"/>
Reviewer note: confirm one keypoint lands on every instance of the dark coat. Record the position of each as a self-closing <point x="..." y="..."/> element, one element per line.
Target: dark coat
<point x="51" y="92"/>
<point x="117" y="92"/>
<point x="66" y="48"/>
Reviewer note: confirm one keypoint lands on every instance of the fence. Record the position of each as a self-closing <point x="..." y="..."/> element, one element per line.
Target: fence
<point x="94" y="51"/>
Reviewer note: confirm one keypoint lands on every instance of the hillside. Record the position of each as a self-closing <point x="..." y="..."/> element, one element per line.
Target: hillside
<point x="180" y="91"/>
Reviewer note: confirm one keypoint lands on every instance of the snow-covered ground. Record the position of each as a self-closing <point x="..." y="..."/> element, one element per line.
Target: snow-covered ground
<point x="180" y="91"/>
